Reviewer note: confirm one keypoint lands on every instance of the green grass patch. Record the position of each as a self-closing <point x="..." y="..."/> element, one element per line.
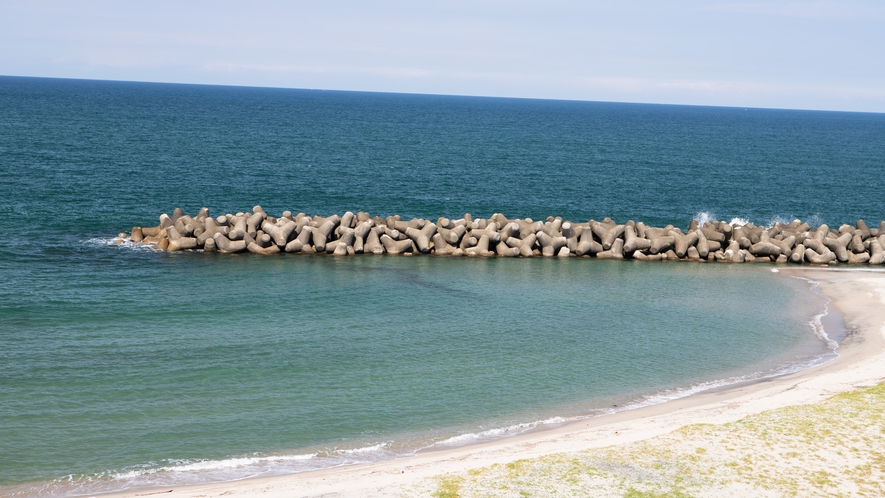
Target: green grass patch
<point x="449" y="487"/>
<point x="835" y="447"/>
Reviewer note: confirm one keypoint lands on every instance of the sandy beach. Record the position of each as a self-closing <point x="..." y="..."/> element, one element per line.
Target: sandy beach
<point x="858" y="295"/>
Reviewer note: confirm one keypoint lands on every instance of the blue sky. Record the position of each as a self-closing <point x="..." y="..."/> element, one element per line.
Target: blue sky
<point x="784" y="54"/>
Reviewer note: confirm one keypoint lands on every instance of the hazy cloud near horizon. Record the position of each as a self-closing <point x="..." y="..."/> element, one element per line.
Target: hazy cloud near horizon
<point x="790" y="54"/>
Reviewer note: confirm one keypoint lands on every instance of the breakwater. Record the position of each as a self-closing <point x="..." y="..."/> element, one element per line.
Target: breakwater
<point x="497" y="236"/>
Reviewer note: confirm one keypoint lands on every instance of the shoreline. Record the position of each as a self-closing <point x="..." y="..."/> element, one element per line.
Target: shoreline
<point x="858" y="296"/>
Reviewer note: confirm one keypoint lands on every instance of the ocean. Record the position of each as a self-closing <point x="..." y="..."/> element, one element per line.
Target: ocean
<point x="123" y="367"/>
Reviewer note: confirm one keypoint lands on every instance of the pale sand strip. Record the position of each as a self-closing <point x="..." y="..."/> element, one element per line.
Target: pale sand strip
<point x="860" y="296"/>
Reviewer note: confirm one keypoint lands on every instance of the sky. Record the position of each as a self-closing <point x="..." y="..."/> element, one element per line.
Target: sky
<point x="781" y="54"/>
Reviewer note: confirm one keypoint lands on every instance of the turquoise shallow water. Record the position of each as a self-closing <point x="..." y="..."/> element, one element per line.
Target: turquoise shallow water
<point x="186" y="357"/>
<point x="120" y="366"/>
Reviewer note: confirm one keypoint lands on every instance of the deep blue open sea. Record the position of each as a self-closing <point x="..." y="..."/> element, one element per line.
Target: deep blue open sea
<point x="121" y="366"/>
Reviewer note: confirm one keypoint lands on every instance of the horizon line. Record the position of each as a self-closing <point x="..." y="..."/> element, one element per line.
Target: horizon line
<point x="272" y="87"/>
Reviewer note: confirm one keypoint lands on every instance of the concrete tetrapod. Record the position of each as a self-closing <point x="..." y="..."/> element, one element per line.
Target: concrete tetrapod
<point x="632" y="242"/>
<point x="511" y="229"/>
<point x="839" y="246"/>
<point x="301" y="241"/>
<point x="360" y="232"/>
<point x="421" y="237"/>
<point x="550" y="246"/>
<point x="258" y="249"/>
<point x="821" y="253"/>
<point x="492" y="234"/>
<point x="607" y="233"/>
<point x="703" y="245"/>
<point x="321" y="235"/>
<point x="253" y="223"/>
<point x="856" y="245"/>
<point x="765" y="249"/>
<point x="615" y="252"/>
<point x="506" y="250"/>
<point x="877" y="254"/>
<point x="177" y="242"/>
<point x="224" y="244"/>
<point x="280" y="233"/>
<point x="239" y="229"/>
<point x="661" y="244"/>
<point x="525" y="249"/>
<point x="165" y="221"/>
<point x="798" y="254"/>
<point x="813" y="257"/>
<point x="440" y="246"/>
<point x="210" y="228"/>
<point x="256" y="231"/>
<point x="681" y="242"/>
<point x="373" y="242"/>
<point x="209" y="246"/>
<point x="454" y="235"/>
<point x="345" y="243"/>
<point x="396" y="246"/>
<point x="586" y="245"/>
<point x="714" y="235"/>
<point x="481" y="248"/>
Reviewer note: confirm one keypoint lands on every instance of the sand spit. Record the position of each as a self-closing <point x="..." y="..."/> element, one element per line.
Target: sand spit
<point x="497" y="236"/>
<point x="786" y="435"/>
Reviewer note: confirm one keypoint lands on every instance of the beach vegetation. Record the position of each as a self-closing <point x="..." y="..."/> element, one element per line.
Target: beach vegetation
<point x="835" y="447"/>
<point x="448" y="487"/>
<point x="635" y="493"/>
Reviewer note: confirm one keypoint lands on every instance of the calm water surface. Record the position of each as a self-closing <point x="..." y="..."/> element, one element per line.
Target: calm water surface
<point x="121" y="366"/>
